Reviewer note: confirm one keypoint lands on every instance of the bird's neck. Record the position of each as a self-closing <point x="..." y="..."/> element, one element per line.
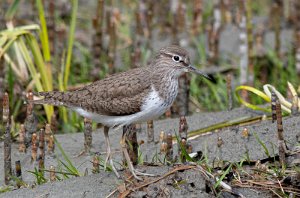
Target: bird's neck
<point x="165" y="82"/>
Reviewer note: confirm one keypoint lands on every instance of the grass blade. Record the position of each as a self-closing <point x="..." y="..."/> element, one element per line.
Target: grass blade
<point x="44" y="31"/>
<point x="70" y="42"/>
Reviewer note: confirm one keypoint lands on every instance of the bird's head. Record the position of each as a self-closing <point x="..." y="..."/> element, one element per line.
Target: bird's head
<point x="178" y="59"/>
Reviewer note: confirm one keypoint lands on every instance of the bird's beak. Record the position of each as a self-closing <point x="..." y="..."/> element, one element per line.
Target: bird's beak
<point x="193" y="69"/>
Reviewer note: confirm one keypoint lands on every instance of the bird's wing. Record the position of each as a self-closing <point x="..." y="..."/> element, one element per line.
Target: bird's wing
<point x="118" y="94"/>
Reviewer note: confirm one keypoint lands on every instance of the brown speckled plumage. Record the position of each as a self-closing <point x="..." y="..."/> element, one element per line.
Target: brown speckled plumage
<point x="118" y="94"/>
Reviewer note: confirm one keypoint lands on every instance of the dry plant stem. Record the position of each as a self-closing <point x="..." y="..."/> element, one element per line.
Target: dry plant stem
<point x="5" y="106"/>
<point x="112" y="31"/>
<point x="163" y="148"/>
<point x="51" y="144"/>
<point x="150" y="131"/>
<point x="248" y="7"/>
<point x="162" y="137"/>
<point x="296" y="21"/>
<point x="34" y="147"/>
<point x="22" y="146"/>
<point x="197" y="16"/>
<point x="96" y="168"/>
<point x="182" y="100"/>
<point x="18" y="173"/>
<point x="229" y="91"/>
<point x="243" y="69"/>
<point x="273" y="107"/>
<point x="48" y="133"/>
<point x="51" y="26"/>
<point x="127" y="192"/>
<point x="97" y="39"/>
<point x="42" y="149"/>
<point x="169" y="142"/>
<point x="30" y="121"/>
<point x="18" y="169"/>
<point x="7" y="140"/>
<point x="87" y="135"/>
<point x="131" y="141"/>
<point x="7" y="155"/>
<point x="281" y="143"/>
<point x="183" y="127"/>
<point x="53" y="123"/>
<point x="276" y="16"/>
<point x="52" y="173"/>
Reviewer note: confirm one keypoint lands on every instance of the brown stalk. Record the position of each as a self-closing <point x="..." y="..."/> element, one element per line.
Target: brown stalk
<point x="169" y="141"/>
<point x="96" y="168"/>
<point x="7" y="140"/>
<point x="249" y="28"/>
<point x="296" y="26"/>
<point x="97" y="38"/>
<point x="87" y="135"/>
<point x="164" y="148"/>
<point x="276" y="16"/>
<point x="54" y="123"/>
<point x="132" y="143"/>
<point x="5" y="105"/>
<point x="52" y="173"/>
<point x="183" y="127"/>
<point x="51" y="26"/>
<point x="162" y="136"/>
<point x="112" y="39"/>
<point x="273" y="107"/>
<point x="48" y="133"/>
<point x="42" y="149"/>
<point x="30" y="121"/>
<point x="189" y="148"/>
<point x="197" y="17"/>
<point x="281" y="143"/>
<point x="18" y="173"/>
<point x="22" y="146"/>
<point x="150" y="131"/>
<point x="183" y="96"/>
<point x="214" y="35"/>
<point x="51" y="144"/>
<point x="34" y="147"/>
<point x="136" y="55"/>
<point x="229" y="91"/>
<point x="219" y="142"/>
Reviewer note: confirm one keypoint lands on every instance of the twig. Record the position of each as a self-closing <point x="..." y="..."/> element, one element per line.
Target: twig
<point x="127" y="192"/>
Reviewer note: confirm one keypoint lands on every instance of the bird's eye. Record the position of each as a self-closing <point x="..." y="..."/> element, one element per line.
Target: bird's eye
<point x="176" y="58"/>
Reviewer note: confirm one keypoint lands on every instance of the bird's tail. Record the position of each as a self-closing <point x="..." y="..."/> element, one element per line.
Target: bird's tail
<point x="55" y="98"/>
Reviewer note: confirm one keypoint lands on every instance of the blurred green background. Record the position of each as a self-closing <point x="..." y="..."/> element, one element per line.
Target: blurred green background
<point x="65" y="44"/>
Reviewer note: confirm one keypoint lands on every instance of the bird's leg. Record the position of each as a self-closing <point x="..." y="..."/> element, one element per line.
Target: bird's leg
<point x="129" y="163"/>
<point x="108" y="153"/>
<point x="128" y="160"/>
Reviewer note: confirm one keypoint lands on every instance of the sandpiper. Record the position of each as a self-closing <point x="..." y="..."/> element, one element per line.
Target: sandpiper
<point x="133" y="96"/>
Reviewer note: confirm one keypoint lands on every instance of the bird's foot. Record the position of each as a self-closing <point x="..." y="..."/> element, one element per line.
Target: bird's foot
<point x="112" y="165"/>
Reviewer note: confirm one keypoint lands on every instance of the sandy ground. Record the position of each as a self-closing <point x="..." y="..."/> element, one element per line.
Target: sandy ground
<point x="233" y="149"/>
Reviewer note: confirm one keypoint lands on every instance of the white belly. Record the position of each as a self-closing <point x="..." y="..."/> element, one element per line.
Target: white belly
<point x="153" y="107"/>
